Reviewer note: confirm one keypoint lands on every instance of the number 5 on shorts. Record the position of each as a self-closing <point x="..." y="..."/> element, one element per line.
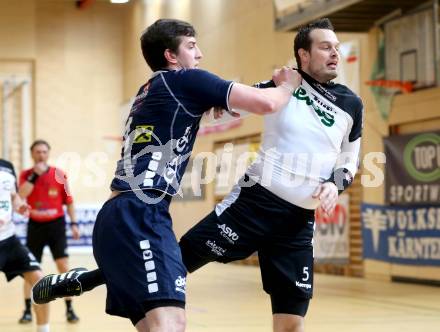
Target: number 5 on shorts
<point x="306" y="273"/>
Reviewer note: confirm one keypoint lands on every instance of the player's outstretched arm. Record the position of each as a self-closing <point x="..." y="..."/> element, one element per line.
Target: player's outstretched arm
<point x="265" y="101"/>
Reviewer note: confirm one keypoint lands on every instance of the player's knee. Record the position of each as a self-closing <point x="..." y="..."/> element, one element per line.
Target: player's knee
<point x="180" y="323"/>
<point x="174" y="323"/>
<point x="32" y="277"/>
<point x="165" y="319"/>
<point x="289" y="323"/>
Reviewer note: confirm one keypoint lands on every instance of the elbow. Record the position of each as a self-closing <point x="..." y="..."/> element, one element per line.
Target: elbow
<point x="269" y="106"/>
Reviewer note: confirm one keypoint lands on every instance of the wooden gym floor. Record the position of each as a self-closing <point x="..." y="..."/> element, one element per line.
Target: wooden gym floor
<point x="229" y="298"/>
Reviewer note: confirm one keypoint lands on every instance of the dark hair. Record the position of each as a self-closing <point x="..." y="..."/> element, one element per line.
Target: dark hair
<point x="39" y="142"/>
<point x="161" y="35"/>
<point x="302" y="39"/>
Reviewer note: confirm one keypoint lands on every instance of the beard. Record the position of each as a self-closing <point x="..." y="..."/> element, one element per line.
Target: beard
<point x="322" y="74"/>
<point x="329" y="75"/>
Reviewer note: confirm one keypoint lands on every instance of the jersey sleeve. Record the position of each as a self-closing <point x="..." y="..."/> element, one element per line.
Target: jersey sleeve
<point x="347" y="163"/>
<point x="23" y="177"/>
<point x="356" y="129"/>
<point x="207" y="89"/>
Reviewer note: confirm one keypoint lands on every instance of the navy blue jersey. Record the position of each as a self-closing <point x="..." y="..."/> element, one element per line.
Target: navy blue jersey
<point x="162" y="126"/>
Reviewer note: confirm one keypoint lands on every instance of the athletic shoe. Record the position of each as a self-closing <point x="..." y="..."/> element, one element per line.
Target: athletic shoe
<point x="72" y="318"/>
<point x="26" y="318"/>
<point x="54" y="286"/>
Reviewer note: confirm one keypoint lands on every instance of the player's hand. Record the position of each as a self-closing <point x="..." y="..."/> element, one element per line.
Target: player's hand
<point x="40" y="168"/>
<point x="75" y="231"/>
<point x="287" y="76"/>
<point x="23" y="209"/>
<point x="219" y="112"/>
<point x="327" y="193"/>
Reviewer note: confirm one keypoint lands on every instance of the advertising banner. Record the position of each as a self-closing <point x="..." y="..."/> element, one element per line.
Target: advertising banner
<point x="401" y="235"/>
<point x="331" y="238"/>
<point x="413" y="169"/>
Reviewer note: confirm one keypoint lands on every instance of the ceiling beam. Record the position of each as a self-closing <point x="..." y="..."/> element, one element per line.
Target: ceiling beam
<point x="310" y="13"/>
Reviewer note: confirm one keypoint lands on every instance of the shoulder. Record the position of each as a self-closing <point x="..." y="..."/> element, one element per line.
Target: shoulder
<point x="6" y="164"/>
<point x="350" y="99"/>
<point x="189" y="74"/>
<point x="6" y="167"/>
<point x="25" y="172"/>
<point x="56" y="171"/>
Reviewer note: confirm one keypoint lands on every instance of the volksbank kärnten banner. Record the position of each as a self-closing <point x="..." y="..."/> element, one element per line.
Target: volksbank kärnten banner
<point x="412" y="175"/>
<point x="401" y="235"/>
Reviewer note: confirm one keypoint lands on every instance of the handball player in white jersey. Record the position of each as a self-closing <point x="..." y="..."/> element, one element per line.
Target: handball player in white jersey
<point x="15" y="258"/>
<point x="309" y="154"/>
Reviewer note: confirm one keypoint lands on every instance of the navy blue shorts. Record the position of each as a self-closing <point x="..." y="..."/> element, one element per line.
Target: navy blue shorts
<point x="252" y="219"/>
<point x="136" y="250"/>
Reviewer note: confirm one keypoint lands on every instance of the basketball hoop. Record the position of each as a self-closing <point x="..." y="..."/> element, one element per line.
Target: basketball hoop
<point x="402" y="86"/>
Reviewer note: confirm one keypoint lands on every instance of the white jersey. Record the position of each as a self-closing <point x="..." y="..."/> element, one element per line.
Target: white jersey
<point x="318" y="132"/>
<point x="7" y="188"/>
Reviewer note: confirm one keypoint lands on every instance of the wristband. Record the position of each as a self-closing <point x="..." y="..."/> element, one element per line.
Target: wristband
<point x="32" y="178"/>
<point x="342" y="178"/>
<point x="73" y="224"/>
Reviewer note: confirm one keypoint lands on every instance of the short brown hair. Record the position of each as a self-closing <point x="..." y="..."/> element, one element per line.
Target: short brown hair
<point x="302" y="39"/>
<point x="39" y="142"/>
<point x="161" y="35"/>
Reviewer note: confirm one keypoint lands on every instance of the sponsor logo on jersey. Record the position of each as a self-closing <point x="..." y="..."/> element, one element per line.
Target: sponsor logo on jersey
<point x="7" y="185"/>
<point x="143" y="134"/>
<point x="322" y="104"/>
<point x="325" y="92"/>
<point x="228" y="233"/>
<point x="180" y="284"/>
<point x="140" y="97"/>
<point x="4" y="205"/>
<point x="53" y="192"/>
<point x="327" y="119"/>
<point x="172" y="167"/>
<point x="216" y="249"/>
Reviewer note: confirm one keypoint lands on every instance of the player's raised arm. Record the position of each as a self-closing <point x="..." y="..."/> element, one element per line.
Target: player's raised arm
<point x="264" y="101"/>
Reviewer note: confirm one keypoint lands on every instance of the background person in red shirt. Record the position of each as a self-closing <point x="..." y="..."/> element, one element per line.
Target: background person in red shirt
<point x="46" y="191"/>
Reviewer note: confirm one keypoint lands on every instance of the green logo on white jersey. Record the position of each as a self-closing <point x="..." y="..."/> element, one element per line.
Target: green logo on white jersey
<point x="327" y="119"/>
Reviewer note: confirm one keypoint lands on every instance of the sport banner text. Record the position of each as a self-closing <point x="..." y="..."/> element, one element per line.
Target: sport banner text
<point x="401" y="235"/>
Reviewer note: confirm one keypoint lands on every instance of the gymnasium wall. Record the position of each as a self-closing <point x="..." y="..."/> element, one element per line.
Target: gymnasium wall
<point x="410" y="113"/>
<point x="77" y="60"/>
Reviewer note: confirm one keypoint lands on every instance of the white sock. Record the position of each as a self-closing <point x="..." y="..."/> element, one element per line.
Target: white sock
<point x="43" y="328"/>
